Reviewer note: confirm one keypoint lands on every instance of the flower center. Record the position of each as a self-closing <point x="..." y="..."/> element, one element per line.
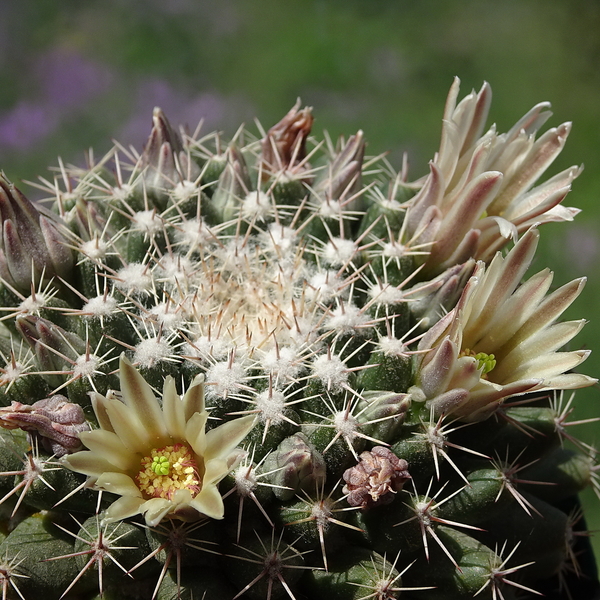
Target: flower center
<point x="485" y="362"/>
<point x="166" y="470"/>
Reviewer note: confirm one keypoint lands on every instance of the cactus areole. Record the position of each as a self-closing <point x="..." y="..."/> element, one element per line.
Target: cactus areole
<point x="276" y="367"/>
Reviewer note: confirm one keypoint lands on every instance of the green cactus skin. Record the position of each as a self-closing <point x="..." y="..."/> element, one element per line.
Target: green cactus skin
<point x="339" y="305"/>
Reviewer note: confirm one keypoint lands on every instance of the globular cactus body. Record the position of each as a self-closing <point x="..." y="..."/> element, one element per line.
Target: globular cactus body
<point x="290" y="371"/>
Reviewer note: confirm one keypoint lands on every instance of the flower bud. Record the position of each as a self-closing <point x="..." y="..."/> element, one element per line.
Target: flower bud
<point x="296" y="466"/>
<point x="284" y="146"/>
<point x="31" y="245"/>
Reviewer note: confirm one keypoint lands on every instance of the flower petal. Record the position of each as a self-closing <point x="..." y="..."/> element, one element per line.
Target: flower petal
<point x="123" y="508"/>
<point x="221" y="440"/>
<point x="138" y="395"/>
<point x="173" y="410"/>
<point x="209" y="502"/>
<point x="118" y="483"/>
<point x="128" y="428"/>
<point x="88" y="463"/>
<point x="99" y="403"/>
<point x="195" y="432"/>
<point x="155" y="510"/>
<point x="193" y="401"/>
<point x="108" y="445"/>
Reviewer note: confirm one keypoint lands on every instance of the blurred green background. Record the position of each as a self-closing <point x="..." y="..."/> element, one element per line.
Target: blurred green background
<point x="75" y="74"/>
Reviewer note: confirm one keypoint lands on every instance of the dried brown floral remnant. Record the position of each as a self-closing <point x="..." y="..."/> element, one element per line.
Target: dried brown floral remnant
<point x="378" y="475"/>
<point x="284" y="146"/>
<point x="54" y="422"/>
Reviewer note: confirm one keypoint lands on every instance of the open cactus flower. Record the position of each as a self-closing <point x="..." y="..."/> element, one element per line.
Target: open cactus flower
<point x="160" y="460"/>
<point x="500" y="340"/>
<point x="275" y="367"/>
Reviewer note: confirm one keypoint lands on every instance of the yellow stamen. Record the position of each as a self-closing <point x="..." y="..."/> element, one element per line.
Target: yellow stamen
<point x="167" y="470"/>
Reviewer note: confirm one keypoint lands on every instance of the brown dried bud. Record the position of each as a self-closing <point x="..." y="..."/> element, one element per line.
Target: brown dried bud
<point x="54" y="422"/>
<point x="376" y="478"/>
<point x="284" y="146"/>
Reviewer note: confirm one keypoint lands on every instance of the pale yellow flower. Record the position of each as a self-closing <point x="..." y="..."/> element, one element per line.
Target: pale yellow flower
<point x="160" y="460"/>
<point x="500" y="340"/>
<point x="483" y="189"/>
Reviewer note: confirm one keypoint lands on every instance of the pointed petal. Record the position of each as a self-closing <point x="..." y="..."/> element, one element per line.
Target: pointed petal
<point x="118" y="483"/>
<point x="108" y="445"/>
<point x="123" y="508"/>
<point x="173" y="410"/>
<point x="155" y="510"/>
<point x="88" y="463"/>
<point x="195" y="432"/>
<point x="138" y="395"/>
<point x="193" y="401"/>
<point x="223" y="439"/>
<point x="216" y="469"/>
<point x="209" y="502"/>
<point x="129" y="430"/>
<point x="99" y="405"/>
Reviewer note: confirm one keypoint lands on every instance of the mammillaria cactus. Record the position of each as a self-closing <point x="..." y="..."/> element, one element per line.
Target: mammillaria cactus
<point x="275" y="367"/>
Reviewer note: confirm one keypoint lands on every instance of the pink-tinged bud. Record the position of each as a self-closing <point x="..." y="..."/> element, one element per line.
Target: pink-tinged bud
<point x="164" y="157"/>
<point x="296" y="465"/>
<point x="343" y="180"/>
<point x="50" y="342"/>
<point x="54" y="422"/>
<point x="31" y="244"/>
<point x="284" y="146"/>
<point x="378" y="475"/>
<point x="233" y="185"/>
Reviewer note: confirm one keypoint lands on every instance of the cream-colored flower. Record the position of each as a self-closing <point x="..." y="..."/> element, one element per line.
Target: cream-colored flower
<point x="500" y="340"/>
<point x="481" y="190"/>
<point x="160" y="460"/>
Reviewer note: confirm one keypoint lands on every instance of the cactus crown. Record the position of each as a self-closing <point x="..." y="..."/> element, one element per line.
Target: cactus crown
<point x="290" y="370"/>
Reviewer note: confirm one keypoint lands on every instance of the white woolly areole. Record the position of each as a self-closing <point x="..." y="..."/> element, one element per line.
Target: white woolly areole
<point x="223" y="379"/>
<point x="194" y="234"/>
<point x="383" y="293"/>
<point x="95" y="249"/>
<point x="147" y="221"/>
<point x="205" y="347"/>
<point x="100" y="306"/>
<point x="174" y="268"/>
<point x="245" y="480"/>
<point x="271" y="405"/>
<point x="134" y="277"/>
<point x="338" y="251"/>
<point x="280" y="239"/>
<point x="284" y="364"/>
<point x="31" y="305"/>
<point x="345" y="424"/>
<point x="392" y="346"/>
<point x="330" y="209"/>
<point x="331" y="371"/>
<point x="185" y="190"/>
<point x="324" y="286"/>
<point x="86" y="365"/>
<point x="167" y="315"/>
<point x="151" y="351"/>
<point x="394" y="249"/>
<point x="347" y="318"/>
<point x="11" y="372"/>
<point x="122" y="192"/>
<point x="256" y="205"/>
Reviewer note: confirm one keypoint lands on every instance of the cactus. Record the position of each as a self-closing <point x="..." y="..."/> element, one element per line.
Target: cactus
<point x="277" y="368"/>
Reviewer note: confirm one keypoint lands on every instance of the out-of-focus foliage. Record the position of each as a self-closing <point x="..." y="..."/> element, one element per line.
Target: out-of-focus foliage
<point x="72" y="74"/>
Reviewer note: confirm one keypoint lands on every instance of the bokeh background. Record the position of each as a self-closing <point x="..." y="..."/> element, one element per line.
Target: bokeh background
<point x="76" y="74"/>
